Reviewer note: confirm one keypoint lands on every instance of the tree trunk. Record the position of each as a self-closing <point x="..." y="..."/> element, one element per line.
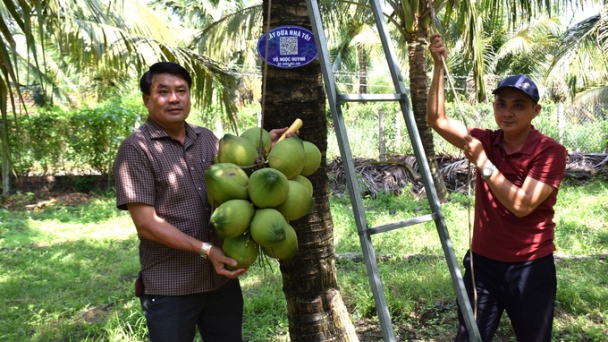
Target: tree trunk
<point x="5" y="155"/>
<point x="417" y="48"/>
<point x="315" y="307"/>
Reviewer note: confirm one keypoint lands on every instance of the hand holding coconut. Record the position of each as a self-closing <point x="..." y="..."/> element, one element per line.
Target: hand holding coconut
<point x="220" y="261"/>
<point x="279" y="134"/>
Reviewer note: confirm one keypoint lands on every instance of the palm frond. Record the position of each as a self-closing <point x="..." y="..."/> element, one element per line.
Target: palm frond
<point x="593" y="95"/>
<point x="238" y="31"/>
<point x="579" y="56"/>
<point x="519" y="11"/>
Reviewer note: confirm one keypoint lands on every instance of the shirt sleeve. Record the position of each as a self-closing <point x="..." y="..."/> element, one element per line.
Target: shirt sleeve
<point x="134" y="178"/>
<point x="549" y="166"/>
<point x="479" y="133"/>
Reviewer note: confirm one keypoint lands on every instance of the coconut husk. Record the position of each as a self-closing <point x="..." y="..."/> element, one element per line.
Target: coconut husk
<point x="400" y="173"/>
<point x="375" y="177"/>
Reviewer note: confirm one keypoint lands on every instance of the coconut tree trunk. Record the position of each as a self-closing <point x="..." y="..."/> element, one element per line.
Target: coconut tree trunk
<point x="417" y="48"/>
<point x="5" y="156"/>
<point x="315" y="307"/>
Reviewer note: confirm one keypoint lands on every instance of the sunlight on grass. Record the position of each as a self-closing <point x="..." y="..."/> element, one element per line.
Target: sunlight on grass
<point x="263" y="307"/>
<point x="67" y="272"/>
<point x="421" y="238"/>
<point x="581" y="216"/>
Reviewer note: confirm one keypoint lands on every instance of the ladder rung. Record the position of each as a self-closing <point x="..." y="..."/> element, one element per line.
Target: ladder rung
<point x="401" y="224"/>
<point x="369" y="97"/>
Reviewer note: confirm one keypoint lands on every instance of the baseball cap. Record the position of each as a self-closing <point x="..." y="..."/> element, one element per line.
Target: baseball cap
<point x="520" y="82"/>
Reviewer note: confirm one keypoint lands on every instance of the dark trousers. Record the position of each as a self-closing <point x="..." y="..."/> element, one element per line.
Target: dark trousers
<point x="218" y="315"/>
<point x="525" y="290"/>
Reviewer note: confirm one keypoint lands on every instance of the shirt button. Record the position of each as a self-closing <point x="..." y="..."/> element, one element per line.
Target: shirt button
<point x="192" y="168"/>
<point x="503" y="158"/>
<point x="199" y="189"/>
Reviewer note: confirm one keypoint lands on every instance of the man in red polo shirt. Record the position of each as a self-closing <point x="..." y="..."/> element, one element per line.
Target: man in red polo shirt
<point x="518" y="173"/>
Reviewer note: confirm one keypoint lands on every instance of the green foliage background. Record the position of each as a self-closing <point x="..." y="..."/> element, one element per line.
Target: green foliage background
<point x="53" y="140"/>
<point x="362" y="125"/>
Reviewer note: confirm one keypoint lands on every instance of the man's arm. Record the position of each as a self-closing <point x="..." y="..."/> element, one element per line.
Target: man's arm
<point x="519" y="201"/>
<point x="151" y="227"/>
<point x="452" y="131"/>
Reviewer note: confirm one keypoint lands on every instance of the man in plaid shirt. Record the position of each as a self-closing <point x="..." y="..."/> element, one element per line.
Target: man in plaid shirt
<point x="159" y="170"/>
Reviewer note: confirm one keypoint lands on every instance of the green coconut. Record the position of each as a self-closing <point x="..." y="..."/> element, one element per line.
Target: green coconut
<point x="232" y="218"/>
<point x="236" y="150"/>
<point x="299" y="202"/>
<point x="242" y="249"/>
<point x="226" y="181"/>
<point x="253" y="135"/>
<point x="288" y="157"/>
<point x="304" y="181"/>
<point x="287" y="248"/>
<point x="312" y="159"/>
<point x="268" y="187"/>
<point x="267" y="227"/>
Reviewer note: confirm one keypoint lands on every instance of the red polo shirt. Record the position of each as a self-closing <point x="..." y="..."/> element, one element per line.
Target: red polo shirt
<point x="500" y="235"/>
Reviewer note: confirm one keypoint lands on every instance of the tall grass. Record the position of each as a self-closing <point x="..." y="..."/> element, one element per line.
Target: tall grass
<point x="66" y="272"/>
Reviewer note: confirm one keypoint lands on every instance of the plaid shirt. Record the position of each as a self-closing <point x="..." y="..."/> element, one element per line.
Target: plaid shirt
<point x="154" y="169"/>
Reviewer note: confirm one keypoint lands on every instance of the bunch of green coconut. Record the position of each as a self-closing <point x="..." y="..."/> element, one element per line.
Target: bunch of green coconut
<point x="256" y="191"/>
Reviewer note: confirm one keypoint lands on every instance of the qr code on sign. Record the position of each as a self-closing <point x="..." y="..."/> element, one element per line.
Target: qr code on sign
<point x="289" y="45"/>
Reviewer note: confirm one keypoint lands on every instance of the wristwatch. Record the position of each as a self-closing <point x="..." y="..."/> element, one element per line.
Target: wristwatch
<point x="487" y="171"/>
<point x="206" y="247"/>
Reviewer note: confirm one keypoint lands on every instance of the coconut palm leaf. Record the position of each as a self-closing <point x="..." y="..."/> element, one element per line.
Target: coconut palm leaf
<point x="581" y="54"/>
<point x="95" y="39"/>
<point x="525" y="10"/>
<point x="593" y="95"/>
<point x="528" y="50"/>
<point x="237" y="30"/>
<point x="71" y="44"/>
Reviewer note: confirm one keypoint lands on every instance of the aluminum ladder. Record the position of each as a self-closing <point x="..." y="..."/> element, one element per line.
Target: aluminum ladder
<point x="335" y="100"/>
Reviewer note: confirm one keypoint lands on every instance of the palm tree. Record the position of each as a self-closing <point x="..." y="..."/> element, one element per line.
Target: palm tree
<point x="355" y="44"/>
<point x="497" y="37"/>
<point x="570" y="62"/>
<point x="412" y="20"/>
<point x="60" y="42"/>
<point x="581" y="55"/>
<point x="315" y="307"/>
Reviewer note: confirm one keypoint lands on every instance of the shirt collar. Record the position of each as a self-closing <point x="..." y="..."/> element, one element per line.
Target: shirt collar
<point x="529" y="145"/>
<point x="157" y="132"/>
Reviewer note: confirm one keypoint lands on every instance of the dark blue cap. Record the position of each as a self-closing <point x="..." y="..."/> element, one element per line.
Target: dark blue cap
<point x="520" y="82"/>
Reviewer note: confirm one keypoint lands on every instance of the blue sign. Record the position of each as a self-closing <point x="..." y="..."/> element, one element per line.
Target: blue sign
<point x="288" y="47"/>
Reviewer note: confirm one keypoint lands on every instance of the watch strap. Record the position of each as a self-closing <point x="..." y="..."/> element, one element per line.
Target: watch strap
<point x="205" y="248"/>
<point x="487" y="171"/>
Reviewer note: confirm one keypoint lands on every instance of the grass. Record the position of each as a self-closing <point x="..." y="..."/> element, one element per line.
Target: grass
<point x="67" y="272"/>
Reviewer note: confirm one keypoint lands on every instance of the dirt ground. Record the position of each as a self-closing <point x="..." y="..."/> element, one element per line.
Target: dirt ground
<point x="41" y="199"/>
